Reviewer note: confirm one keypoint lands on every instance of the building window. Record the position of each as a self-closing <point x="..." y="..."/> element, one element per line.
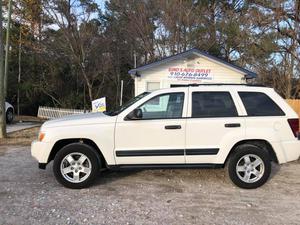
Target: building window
<point x="152" y="86"/>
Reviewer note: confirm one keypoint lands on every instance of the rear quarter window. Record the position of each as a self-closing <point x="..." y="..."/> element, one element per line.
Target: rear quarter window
<point x="260" y="104"/>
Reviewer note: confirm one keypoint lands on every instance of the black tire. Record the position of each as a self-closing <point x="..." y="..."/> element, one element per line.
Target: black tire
<point x="74" y="148"/>
<point x="252" y="150"/>
<point x="9" y="115"/>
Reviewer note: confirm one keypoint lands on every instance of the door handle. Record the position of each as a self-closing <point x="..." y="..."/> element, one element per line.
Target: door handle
<point x="172" y="127"/>
<point x="232" y="125"/>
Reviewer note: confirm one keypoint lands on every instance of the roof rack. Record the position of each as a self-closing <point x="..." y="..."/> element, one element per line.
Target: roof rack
<point x="219" y="84"/>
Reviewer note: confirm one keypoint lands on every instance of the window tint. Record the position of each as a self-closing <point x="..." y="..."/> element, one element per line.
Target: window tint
<point x="212" y="104"/>
<point x="163" y="106"/>
<point x="259" y="104"/>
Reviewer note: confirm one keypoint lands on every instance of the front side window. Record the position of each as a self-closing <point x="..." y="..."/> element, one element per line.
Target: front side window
<point x="212" y="104"/>
<point x="164" y="106"/>
<point x="127" y="104"/>
<point x="259" y="104"/>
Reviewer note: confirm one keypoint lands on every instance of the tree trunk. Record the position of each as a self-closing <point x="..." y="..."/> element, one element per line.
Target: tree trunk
<point x="2" y="98"/>
<point x="90" y="90"/>
<point x="7" y="47"/>
<point x="87" y="82"/>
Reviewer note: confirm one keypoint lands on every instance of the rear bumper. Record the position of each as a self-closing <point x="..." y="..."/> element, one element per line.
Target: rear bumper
<point x="291" y="149"/>
<point x="41" y="151"/>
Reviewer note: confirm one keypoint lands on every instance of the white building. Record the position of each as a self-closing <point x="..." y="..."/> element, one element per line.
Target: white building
<point x="192" y="66"/>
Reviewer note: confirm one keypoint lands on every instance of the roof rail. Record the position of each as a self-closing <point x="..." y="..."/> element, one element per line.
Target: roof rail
<point x="219" y="84"/>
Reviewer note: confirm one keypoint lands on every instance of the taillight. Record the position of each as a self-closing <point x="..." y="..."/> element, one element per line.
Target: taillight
<point x="294" y="124"/>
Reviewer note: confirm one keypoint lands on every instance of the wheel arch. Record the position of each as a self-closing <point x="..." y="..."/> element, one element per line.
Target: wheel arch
<point x="10" y="108"/>
<point x="261" y="143"/>
<point x="63" y="142"/>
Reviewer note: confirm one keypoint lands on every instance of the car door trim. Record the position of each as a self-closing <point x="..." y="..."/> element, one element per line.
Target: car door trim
<point x="167" y="152"/>
<point x="166" y="166"/>
<point x="162" y="152"/>
<point x="202" y="151"/>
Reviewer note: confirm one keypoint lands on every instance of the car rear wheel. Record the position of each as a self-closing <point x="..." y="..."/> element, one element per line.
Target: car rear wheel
<point x="76" y="165"/>
<point x="9" y="115"/>
<point x="249" y="166"/>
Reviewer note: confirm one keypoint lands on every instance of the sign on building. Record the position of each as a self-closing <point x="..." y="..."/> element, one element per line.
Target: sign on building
<point x="190" y="67"/>
<point x="189" y="74"/>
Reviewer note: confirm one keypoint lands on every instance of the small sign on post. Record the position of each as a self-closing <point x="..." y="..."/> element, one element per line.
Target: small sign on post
<point x="99" y="105"/>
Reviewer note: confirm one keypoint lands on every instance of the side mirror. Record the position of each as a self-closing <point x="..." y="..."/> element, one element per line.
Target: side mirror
<point x="136" y="114"/>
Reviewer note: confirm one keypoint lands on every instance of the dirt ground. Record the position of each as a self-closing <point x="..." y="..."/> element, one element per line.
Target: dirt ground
<point x="192" y="196"/>
<point x="23" y="137"/>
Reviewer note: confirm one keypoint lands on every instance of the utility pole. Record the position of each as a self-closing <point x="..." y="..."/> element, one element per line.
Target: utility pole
<point x="84" y="109"/>
<point x="134" y="59"/>
<point x="7" y="47"/>
<point x="121" y="93"/>
<point x="2" y="98"/>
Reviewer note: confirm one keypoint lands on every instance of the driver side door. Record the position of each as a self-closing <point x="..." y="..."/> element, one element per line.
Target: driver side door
<point x="158" y="137"/>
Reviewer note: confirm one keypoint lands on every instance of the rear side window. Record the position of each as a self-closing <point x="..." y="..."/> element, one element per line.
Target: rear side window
<point x="260" y="104"/>
<point x="212" y="104"/>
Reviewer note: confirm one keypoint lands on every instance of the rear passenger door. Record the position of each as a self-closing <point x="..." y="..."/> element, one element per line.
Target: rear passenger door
<point x="213" y="123"/>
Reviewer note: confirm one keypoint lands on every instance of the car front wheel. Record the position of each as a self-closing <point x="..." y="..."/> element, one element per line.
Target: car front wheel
<point x="249" y="167"/>
<point x="76" y="165"/>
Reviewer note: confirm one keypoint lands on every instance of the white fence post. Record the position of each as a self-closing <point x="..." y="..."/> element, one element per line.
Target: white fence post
<point x="45" y="112"/>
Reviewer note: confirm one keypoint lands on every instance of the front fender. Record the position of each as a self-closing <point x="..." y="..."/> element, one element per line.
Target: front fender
<point x="102" y="135"/>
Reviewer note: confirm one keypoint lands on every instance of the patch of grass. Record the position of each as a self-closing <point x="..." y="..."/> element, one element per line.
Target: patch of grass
<point x="22" y="137"/>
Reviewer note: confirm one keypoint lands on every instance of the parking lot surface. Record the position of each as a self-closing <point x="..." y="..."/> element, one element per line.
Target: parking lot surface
<point x="192" y="196"/>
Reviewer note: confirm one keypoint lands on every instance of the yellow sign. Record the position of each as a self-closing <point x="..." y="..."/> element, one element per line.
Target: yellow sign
<point x="99" y="105"/>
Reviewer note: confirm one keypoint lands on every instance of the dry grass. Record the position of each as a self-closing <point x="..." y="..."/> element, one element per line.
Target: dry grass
<point x="28" y="119"/>
<point x="22" y="137"/>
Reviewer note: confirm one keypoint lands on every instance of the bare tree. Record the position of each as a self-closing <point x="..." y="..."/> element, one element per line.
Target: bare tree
<point x="81" y="36"/>
<point x="2" y="94"/>
<point x="282" y="18"/>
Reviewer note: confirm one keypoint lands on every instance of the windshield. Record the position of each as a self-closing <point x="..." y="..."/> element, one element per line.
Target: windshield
<point x="121" y="108"/>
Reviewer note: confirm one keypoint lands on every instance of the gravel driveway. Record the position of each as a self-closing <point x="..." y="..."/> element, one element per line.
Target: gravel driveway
<point x="32" y="196"/>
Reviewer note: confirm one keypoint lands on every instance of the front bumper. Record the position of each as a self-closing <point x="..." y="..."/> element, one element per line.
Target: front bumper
<point x="41" y="151"/>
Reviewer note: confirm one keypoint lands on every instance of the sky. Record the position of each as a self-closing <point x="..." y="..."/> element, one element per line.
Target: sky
<point x="101" y="3"/>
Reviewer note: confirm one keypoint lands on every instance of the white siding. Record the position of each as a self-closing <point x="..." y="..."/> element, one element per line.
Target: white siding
<point x="220" y="72"/>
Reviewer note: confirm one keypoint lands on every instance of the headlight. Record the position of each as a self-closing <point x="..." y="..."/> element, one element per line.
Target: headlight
<point x="41" y="136"/>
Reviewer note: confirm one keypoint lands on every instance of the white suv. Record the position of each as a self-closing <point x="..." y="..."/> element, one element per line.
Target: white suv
<point x="243" y="127"/>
